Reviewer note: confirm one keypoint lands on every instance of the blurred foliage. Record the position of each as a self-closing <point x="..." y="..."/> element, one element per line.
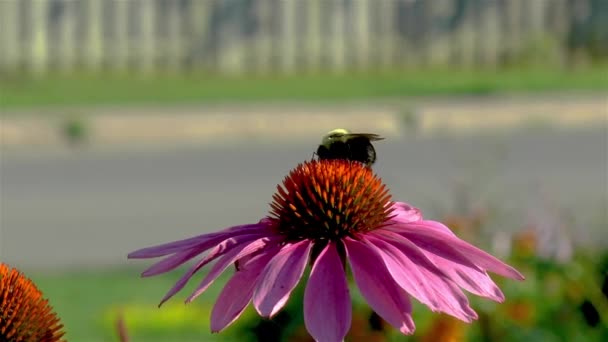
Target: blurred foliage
<point x="75" y="129"/>
<point x="538" y="51"/>
<point x="144" y="321"/>
<point x="588" y="35"/>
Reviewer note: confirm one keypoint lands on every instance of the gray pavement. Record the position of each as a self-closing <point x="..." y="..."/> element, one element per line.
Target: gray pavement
<point x="89" y="207"/>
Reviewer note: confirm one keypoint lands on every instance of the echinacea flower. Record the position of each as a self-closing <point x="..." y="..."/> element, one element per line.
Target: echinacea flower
<point x="24" y="314"/>
<point x="329" y="213"/>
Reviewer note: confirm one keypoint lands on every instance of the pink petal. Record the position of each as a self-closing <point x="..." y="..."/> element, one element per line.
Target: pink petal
<point x="229" y="258"/>
<point x="452" y="248"/>
<point x="216" y="252"/>
<point x="438" y="226"/>
<point x="171" y="262"/>
<point x="174" y="261"/>
<point x="377" y="285"/>
<point x="437" y="243"/>
<point x="429" y="285"/>
<point x="407" y="248"/>
<point x="327" y="307"/>
<point x="406" y="273"/>
<point x="450" y="298"/>
<point x="280" y="277"/>
<point x="238" y="291"/>
<point x="405" y="213"/>
<point x="488" y="261"/>
<point x="472" y="280"/>
<point x="201" y="242"/>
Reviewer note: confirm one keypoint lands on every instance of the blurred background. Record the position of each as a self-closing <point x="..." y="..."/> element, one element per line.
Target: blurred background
<point x="127" y="123"/>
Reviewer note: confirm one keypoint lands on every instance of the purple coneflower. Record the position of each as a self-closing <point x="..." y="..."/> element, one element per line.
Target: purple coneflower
<point x="327" y="214"/>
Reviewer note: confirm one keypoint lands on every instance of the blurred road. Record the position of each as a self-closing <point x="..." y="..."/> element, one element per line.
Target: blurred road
<point x="206" y="124"/>
<point x="75" y="208"/>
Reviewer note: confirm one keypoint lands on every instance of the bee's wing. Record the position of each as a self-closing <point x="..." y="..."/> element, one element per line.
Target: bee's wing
<point x="370" y="136"/>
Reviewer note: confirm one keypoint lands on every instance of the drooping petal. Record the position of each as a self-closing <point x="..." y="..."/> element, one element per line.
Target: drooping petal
<point x="226" y="260"/>
<point x="406" y="213"/>
<point x="406" y="273"/>
<point x="437" y="225"/>
<point x="177" y="259"/>
<point x="171" y="262"/>
<point x="327" y="306"/>
<point x="201" y="242"/>
<point x="238" y="291"/>
<point x="176" y="246"/>
<point x="377" y="285"/>
<point x="280" y="277"/>
<point x="434" y="242"/>
<point x="472" y="280"/>
<point x="430" y="285"/>
<point x="452" y="248"/>
<point x="408" y="248"/>
<point x="219" y="250"/>
<point x="487" y="261"/>
<point x="450" y="298"/>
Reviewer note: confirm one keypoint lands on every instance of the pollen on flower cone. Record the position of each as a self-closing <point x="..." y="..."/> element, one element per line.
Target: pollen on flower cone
<point x="24" y="314"/>
<point x="329" y="200"/>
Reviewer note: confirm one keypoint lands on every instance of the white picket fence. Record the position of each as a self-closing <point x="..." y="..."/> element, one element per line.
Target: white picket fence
<point x="285" y="36"/>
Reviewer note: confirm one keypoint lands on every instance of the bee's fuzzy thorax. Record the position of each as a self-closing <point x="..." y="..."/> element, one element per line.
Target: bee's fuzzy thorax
<point x="333" y="135"/>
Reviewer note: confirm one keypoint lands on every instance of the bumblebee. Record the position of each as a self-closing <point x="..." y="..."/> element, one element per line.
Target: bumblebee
<point x="342" y="144"/>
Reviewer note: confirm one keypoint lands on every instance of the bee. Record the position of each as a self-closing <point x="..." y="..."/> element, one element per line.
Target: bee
<point x="342" y="144"/>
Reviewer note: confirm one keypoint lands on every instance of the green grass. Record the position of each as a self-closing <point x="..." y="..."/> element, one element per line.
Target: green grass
<point x="123" y="89"/>
<point x="88" y="304"/>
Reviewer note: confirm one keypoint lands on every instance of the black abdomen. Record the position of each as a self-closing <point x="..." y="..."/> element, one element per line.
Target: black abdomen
<point x="358" y="149"/>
